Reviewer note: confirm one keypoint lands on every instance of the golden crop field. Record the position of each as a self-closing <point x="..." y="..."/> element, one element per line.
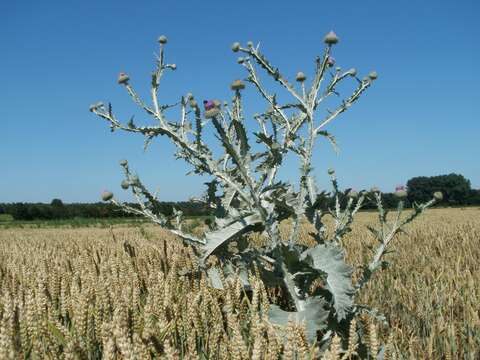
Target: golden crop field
<point x="114" y="293"/>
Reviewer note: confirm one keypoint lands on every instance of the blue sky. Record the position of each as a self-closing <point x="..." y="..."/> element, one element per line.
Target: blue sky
<point x="58" y="57"/>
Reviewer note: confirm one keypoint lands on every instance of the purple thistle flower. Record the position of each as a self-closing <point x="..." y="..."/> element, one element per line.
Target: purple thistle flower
<point x="400" y="188"/>
<point x="330" y="61"/>
<point x="208" y="104"/>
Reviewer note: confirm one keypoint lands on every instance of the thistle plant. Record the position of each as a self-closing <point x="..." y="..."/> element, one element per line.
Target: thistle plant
<point x="245" y="195"/>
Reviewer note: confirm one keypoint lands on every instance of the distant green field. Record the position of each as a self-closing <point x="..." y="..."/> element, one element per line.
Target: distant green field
<point x="5" y="218"/>
<point x="6" y="222"/>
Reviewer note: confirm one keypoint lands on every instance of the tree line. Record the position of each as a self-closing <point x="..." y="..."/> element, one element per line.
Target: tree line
<point x="456" y="190"/>
<point x="57" y="210"/>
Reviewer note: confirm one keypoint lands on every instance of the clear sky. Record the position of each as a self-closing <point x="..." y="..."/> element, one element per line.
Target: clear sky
<point x="57" y="57"/>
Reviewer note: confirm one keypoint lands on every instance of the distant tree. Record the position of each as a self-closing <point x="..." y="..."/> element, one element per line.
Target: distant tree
<point x="57" y="203"/>
<point x="19" y="211"/>
<point x="474" y="197"/>
<point x="455" y="188"/>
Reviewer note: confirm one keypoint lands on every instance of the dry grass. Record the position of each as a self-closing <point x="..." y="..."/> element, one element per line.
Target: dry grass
<point x="81" y="293"/>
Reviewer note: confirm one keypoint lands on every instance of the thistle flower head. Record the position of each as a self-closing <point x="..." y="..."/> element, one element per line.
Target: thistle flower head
<point x="208" y="104"/>
<point x="107" y="195"/>
<point x="331" y="38"/>
<point x="301" y="77"/>
<point x="125" y="184"/>
<point x="173" y="66"/>
<point x="162" y="39"/>
<point x="438" y="195"/>
<point x="375" y="190"/>
<point x="250" y="44"/>
<point x="237" y="85"/>
<point x="353" y="72"/>
<point x="235" y="46"/>
<point x="123" y="78"/>
<point x="123" y="162"/>
<point x="331" y="171"/>
<point x="330" y="61"/>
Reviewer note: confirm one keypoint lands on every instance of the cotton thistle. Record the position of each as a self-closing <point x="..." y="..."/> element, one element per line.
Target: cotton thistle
<point x="249" y="198"/>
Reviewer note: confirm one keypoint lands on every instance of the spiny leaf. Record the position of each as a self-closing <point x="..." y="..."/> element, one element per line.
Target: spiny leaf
<point x="216" y="238"/>
<point x="329" y="258"/>
<point x="314" y="316"/>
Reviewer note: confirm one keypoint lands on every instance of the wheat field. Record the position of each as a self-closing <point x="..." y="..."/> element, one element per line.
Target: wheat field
<point x="115" y="293"/>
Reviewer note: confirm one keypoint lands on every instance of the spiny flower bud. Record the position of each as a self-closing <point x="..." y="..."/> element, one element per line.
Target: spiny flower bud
<point x="123" y="162"/>
<point x="125" y="184"/>
<point x="373" y="75"/>
<point x="123" y="78"/>
<point x="353" y="72"/>
<point x="240" y="60"/>
<point x="300" y="77"/>
<point x="330" y="61"/>
<point x="189" y="96"/>
<point x="437" y="195"/>
<point x="173" y="66"/>
<point x="353" y="194"/>
<point x="95" y="106"/>
<point x="162" y="39"/>
<point x="331" y="171"/>
<point x="331" y="38"/>
<point x="134" y="179"/>
<point x="193" y="103"/>
<point x="400" y="192"/>
<point x="237" y="85"/>
<point x="250" y="44"/>
<point x="235" y="46"/>
<point x="107" y="195"/>
<point x="375" y="190"/>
